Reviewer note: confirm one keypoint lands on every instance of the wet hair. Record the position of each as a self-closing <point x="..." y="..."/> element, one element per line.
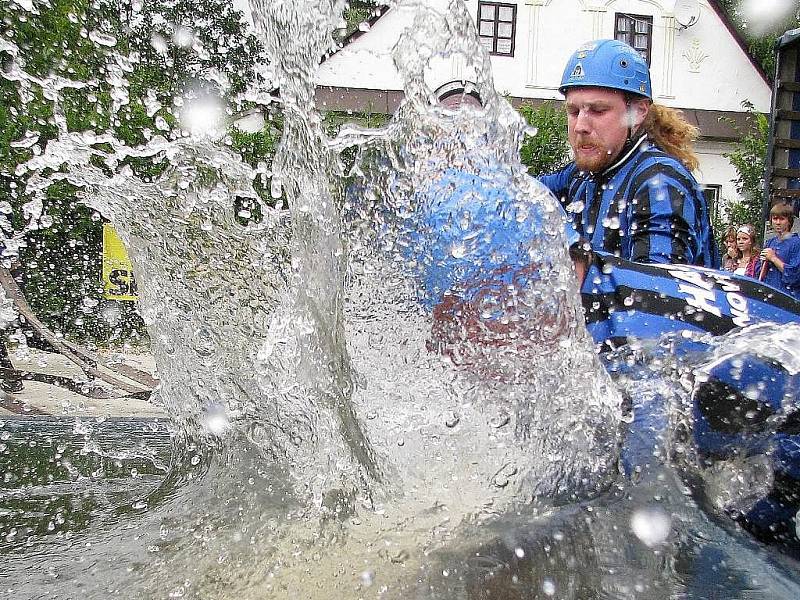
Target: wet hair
<point x="783" y="209"/>
<point x="668" y="130"/>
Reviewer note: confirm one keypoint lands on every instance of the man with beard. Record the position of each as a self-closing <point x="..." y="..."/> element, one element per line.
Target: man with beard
<point x="629" y="189"/>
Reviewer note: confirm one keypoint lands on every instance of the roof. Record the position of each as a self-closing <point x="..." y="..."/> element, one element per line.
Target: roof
<point x="732" y="29"/>
<point x="714" y="124"/>
<point x="359" y="31"/>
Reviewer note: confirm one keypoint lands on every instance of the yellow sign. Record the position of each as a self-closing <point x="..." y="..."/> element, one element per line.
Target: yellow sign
<point x="118" y="280"/>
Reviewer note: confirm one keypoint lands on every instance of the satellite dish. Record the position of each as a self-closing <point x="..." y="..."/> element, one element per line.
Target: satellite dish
<point x="687" y="12"/>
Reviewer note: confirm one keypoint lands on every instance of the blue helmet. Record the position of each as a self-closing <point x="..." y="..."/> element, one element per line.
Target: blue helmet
<point x="608" y="64"/>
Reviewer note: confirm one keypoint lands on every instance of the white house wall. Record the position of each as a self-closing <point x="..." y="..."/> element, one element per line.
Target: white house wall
<point x="367" y="63"/>
<point x="697" y="68"/>
<point x="701" y="67"/>
<point x="715" y="169"/>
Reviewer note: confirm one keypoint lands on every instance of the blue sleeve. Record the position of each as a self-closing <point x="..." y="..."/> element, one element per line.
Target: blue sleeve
<point x="666" y="217"/>
<point x="558" y="183"/>
<point x="791" y="262"/>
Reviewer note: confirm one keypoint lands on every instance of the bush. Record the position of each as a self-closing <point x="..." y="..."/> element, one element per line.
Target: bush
<point x="749" y="159"/>
<point x="548" y="150"/>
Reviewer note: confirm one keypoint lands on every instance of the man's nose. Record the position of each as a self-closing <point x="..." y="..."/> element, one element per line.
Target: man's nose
<point x="582" y="122"/>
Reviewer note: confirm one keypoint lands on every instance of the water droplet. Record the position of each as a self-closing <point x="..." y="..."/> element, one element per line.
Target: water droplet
<point x="651" y="525"/>
<point x="202" y="117"/>
<point x="548" y="587"/>
<point x="275" y="188"/>
<point x="367" y="578"/>
<point x="400" y="557"/>
<point x="216" y="421"/>
<point x="503" y="477"/>
<point x="102" y="39"/>
<point x="458" y="250"/>
<point x="499" y="421"/>
<point x="183" y="37"/>
<point x="90" y="302"/>
<point x="519" y="552"/>
<point x="27" y="140"/>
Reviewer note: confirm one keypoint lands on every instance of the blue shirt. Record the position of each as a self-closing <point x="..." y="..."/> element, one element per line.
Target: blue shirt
<point x="646" y="207"/>
<point x="788" y="250"/>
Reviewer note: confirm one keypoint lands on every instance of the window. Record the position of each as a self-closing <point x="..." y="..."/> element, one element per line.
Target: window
<point x="711" y="191"/>
<point x="635" y="30"/>
<point x="497" y="25"/>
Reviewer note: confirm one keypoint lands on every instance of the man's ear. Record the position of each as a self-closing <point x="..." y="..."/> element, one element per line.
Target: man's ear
<point x="637" y="112"/>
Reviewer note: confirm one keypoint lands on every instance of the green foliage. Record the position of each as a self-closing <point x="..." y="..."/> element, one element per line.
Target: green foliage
<point x="548" y="150"/>
<point x="334" y="119"/>
<point x="761" y="43"/>
<point x="133" y="61"/>
<point x="749" y="159"/>
<point x="357" y="12"/>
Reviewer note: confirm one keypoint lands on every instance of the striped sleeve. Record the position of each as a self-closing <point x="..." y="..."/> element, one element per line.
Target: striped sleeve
<point x="665" y="215"/>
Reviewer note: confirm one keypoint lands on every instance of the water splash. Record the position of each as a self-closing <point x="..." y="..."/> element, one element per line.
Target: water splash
<point x="248" y="321"/>
<point x="533" y="367"/>
<point x="332" y="422"/>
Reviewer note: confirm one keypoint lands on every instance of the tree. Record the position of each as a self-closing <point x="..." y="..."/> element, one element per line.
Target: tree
<point x="749" y="160"/>
<point x="133" y="63"/>
<point x="761" y="34"/>
<point x="548" y="150"/>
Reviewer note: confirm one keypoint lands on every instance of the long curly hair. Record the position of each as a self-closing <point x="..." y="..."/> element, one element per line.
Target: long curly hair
<point x="668" y="130"/>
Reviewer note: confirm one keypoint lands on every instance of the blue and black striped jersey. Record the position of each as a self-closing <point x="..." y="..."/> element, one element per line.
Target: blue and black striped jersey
<point x="646" y="207"/>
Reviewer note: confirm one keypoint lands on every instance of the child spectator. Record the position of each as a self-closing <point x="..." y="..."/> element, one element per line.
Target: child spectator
<point x="780" y="258"/>
<point x="730" y="256"/>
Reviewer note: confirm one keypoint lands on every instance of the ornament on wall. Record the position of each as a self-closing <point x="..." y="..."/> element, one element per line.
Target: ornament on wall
<point x="695" y="56"/>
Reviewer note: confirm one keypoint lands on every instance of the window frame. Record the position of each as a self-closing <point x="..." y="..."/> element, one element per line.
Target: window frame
<point x="631" y="18"/>
<point x="713" y="201"/>
<point x="495" y="24"/>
